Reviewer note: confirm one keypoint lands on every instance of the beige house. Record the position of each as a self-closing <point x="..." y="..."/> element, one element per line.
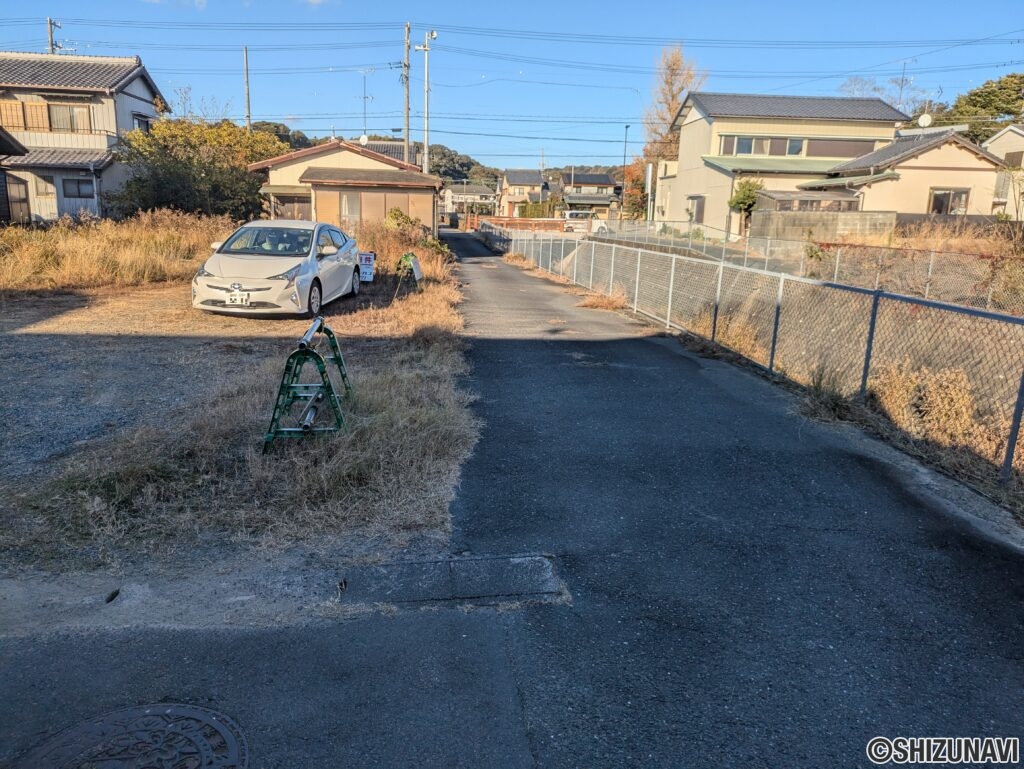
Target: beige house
<point x="929" y="172"/>
<point x="346" y="184"/>
<point x="68" y="112"/>
<point x="784" y="141"/>
<point x="519" y="186"/>
<point x="1008" y="145"/>
<point x="590" y="192"/>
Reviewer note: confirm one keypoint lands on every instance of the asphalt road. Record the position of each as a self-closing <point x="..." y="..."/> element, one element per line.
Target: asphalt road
<point x="745" y="588"/>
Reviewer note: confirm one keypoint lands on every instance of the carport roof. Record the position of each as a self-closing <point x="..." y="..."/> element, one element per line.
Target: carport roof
<point x="368" y="177"/>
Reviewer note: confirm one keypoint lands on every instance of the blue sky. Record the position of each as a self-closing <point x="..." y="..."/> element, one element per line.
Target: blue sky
<point x="510" y="80"/>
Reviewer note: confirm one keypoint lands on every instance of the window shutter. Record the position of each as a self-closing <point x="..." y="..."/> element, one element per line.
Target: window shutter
<point x="11" y="114"/>
<point x="37" y="116"/>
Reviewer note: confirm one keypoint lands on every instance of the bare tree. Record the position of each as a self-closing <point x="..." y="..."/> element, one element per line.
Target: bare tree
<point x="676" y="76"/>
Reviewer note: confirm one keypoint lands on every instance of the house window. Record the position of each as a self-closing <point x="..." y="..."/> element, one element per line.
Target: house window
<point x="744" y="145"/>
<point x="141" y="123"/>
<point x="78" y="188"/>
<point x="602" y="190"/>
<point x="69" y="117"/>
<point x="696" y="207"/>
<point x="45" y="187"/>
<point x="519" y="191"/>
<point x="728" y="147"/>
<point x="577" y="189"/>
<point x="795" y="147"/>
<point x="948" y="201"/>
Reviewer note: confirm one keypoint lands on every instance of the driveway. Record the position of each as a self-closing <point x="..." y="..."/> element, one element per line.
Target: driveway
<point x="740" y="587"/>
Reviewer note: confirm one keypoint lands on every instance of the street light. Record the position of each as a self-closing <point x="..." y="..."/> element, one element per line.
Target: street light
<point x="431" y="35"/>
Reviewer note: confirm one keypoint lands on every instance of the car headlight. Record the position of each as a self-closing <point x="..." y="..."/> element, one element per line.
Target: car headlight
<point x="203" y="272"/>
<point x="290" y="275"/>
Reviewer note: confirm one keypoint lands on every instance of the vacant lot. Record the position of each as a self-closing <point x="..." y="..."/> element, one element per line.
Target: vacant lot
<point x="136" y="422"/>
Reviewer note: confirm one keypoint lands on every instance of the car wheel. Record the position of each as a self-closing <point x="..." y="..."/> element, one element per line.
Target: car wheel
<point x="354" y="291"/>
<point x="314" y="304"/>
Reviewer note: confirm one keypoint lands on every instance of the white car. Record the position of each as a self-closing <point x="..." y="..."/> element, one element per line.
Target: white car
<point x="584" y="221"/>
<point x="279" y="267"/>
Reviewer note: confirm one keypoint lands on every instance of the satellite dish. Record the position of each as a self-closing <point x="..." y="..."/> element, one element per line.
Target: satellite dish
<point x="925" y="120"/>
<point x="364" y="139"/>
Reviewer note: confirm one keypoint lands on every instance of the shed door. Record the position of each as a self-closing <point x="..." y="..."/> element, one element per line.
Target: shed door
<point x="17" y="197"/>
<point x="294" y="207"/>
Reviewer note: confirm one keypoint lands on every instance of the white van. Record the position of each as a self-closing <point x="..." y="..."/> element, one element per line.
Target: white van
<point x="584" y="221"/>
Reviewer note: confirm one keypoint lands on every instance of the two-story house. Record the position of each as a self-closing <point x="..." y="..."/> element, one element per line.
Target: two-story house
<point x="517" y="187"/>
<point x="1008" y="145"/>
<point x="68" y="111"/>
<point x="589" y="192"/>
<point x="462" y="197"/>
<point x="784" y="141"/>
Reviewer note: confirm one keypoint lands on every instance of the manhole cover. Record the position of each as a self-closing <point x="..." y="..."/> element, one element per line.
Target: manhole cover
<point x="164" y="736"/>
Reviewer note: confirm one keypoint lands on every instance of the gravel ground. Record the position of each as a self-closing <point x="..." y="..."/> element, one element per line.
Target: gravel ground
<point x="82" y="366"/>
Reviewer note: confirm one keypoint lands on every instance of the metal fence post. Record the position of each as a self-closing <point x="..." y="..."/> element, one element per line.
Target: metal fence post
<point x="767" y="253"/>
<point x="928" y="281"/>
<point x="718" y="299"/>
<point x="575" y="261"/>
<point x="593" y="249"/>
<point x="1011" y="444"/>
<point x="835" y="273"/>
<point x="611" y="273"/>
<point x="878" y="272"/>
<point x="869" y="347"/>
<point x="775" y="327"/>
<point x="636" y="283"/>
<point x="671" y="289"/>
<point x="746" y="248"/>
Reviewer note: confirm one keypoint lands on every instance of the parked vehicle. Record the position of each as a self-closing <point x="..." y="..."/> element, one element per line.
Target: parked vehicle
<point x="278" y="267"/>
<point x="584" y="221"/>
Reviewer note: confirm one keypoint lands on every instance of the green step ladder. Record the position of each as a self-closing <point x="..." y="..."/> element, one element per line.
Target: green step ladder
<point x="311" y="396"/>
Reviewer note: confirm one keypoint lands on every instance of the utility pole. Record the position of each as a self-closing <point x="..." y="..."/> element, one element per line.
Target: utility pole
<point x="50" y="24"/>
<point x="431" y="35"/>
<point x="405" y="81"/>
<point x="245" y="66"/>
<point x="622" y="197"/>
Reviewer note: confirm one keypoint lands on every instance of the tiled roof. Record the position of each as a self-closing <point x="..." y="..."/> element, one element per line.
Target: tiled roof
<point x="593" y="200"/>
<point x="69" y="72"/>
<point x="601" y="180"/>
<point x="469" y="189"/>
<point x="368" y="177"/>
<point x="394" y="150"/>
<point x="60" y="158"/>
<point x="523" y="176"/>
<point x="797" y="107"/>
<point x="906" y="147"/>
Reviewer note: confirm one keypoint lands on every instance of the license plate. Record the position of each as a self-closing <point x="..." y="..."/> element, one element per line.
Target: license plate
<point x="238" y="299"/>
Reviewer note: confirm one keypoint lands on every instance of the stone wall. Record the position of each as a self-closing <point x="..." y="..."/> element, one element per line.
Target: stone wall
<point x="791" y="229"/>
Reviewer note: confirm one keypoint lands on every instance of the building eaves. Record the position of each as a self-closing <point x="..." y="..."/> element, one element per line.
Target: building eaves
<point x="769" y="165"/>
<point x="78" y="159"/>
<point x="368" y="177"/>
<point x="848" y="181"/>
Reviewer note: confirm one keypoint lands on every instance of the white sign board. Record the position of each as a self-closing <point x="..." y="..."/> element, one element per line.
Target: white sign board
<point x="367" y="261"/>
<point x="417" y="271"/>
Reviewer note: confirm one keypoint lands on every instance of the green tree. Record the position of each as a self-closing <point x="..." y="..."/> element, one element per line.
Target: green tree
<point x="194" y="165"/>
<point x="990" y="107"/>
<point x="294" y="138"/>
<point x="745" y="196"/>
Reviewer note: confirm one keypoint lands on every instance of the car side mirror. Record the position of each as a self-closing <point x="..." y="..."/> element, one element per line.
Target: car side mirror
<point x="216" y="244"/>
<point x="328" y="251"/>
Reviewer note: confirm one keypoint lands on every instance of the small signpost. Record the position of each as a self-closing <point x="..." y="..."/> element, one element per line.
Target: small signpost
<point x="367" y="262"/>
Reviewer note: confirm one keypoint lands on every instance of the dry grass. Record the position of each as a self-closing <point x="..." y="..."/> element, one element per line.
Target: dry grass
<point x="967" y="238"/>
<point x="519" y="260"/>
<point x="149" y="248"/>
<point x="617" y="300"/>
<point x="390" y="476"/>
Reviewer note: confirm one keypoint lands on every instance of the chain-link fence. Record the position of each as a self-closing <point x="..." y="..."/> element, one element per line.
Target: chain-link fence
<point x="975" y="280"/>
<point x="951" y="378"/>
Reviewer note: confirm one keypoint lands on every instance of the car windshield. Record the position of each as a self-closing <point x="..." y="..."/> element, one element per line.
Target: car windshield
<point x="269" y="241"/>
